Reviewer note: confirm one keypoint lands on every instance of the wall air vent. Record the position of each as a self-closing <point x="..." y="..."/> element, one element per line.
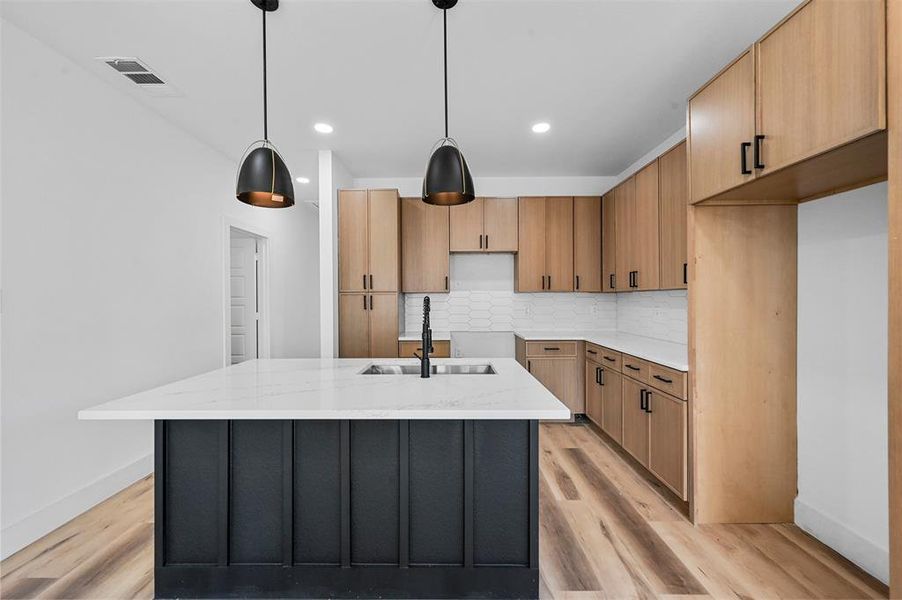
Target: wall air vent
<point x="138" y="73"/>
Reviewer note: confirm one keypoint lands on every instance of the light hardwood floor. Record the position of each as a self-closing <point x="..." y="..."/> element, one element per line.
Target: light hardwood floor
<point x="606" y="532"/>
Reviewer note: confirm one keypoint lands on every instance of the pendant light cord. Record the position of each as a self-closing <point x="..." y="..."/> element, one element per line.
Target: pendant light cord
<point x="445" y="28"/>
<point x="265" y="115"/>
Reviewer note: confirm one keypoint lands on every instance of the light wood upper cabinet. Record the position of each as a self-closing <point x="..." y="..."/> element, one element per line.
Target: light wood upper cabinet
<point x="673" y="195"/>
<point x="587" y="243"/>
<point x="485" y="225"/>
<point x="609" y="242"/>
<point x="424" y="246"/>
<point x="635" y="421"/>
<point x="644" y="243"/>
<point x="369" y="240"/>
<point x="821" y="80"/>
<point x="500" y="218"/>
<point x="625" y="223"/>
<point x="721" y="130"/>
<point x="384" y="240"/>
<point x="545" y="259"/>
<point x="559" y="243"/>
<point x="467" y="226"/>
<point x="667" y="454"/>
<point x="353" y="255"/>
<point x="530" y="267"/>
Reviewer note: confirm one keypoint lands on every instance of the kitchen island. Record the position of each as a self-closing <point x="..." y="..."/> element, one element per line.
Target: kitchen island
<point x="328" y="478"/>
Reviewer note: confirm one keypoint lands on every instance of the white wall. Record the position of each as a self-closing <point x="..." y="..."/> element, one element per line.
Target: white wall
<point x="333" y="176"/>
<point x="842" y="375"/>
<point x="113" y="280"/>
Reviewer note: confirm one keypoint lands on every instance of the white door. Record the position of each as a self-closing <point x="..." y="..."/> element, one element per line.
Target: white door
<point x="243" y="290"/>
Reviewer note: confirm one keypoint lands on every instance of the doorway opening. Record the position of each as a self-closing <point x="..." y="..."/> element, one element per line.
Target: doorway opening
<point x="247" y="331"/>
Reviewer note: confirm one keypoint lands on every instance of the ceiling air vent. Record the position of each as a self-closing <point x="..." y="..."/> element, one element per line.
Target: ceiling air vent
<point x="138" y="73"/>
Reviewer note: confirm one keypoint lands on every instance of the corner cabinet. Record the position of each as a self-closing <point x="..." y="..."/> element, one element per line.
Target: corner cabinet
<point x="544" y="262"/>
<point x="485" y="225"/>
<point x="800" y="114"/>
<point x="425" y="264"/>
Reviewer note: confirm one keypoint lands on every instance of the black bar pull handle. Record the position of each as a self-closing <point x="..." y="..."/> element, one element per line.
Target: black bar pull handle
<point x="664" y="379"/>
<point x="591" y="351"/>
<point x="609" y="359"/>
<point x="480" y="241"/>
<point x="549" y="282"/>
<point x="364" y="282"/>
<point x="446" y="282"/>
<point x="364" y="302"/>
<point x="577" y="282"/>
<point x="611" y="281"/>
<point x="486" y="241"/>
<point x="685" y="274"/>
<point x="549" y="348"/>
<point x="601" y="371"/>
<point x="648" y="402"/>
<point x="642" y="399"/>
<point x="758" y="139"/>
<point x="631" y="367"/>
<point x="744" y="158"/>
<point x="529" y="366"/>
<point x="597" y="376"/>
<point x="371" y="303"/>
<point x="543" y="282"/>
<point x="371" y="281"/>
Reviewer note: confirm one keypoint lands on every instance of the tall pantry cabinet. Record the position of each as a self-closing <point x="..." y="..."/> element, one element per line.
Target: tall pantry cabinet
<point x="369" y="271"/>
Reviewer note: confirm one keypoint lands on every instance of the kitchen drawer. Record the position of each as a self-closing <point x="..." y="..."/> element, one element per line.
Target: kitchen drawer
<point x="667" y="380"/>
<point x="593" y="352"/>
<point x="440" y="349"/>
<point x="610" y="359"/>
<point x="635" y="368"/>
<point x="551" y="349"/>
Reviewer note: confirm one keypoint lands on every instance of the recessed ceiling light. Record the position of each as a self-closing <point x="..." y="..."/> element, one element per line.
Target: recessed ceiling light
<point x="302" y="180"/>
<point x="541" y="127"/>
<point x="323" y="128"/>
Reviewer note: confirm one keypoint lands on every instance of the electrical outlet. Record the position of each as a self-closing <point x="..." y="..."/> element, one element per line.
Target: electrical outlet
<point x="528" y="310"/>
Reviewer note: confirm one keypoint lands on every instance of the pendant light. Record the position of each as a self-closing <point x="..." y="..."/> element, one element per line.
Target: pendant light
<point x="263" y="178"/>
<point x="448" y="181"/>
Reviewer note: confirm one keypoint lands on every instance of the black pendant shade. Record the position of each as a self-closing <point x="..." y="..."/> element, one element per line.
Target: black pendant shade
<point x="447" y="181"/>
<point x="264" y="180"/>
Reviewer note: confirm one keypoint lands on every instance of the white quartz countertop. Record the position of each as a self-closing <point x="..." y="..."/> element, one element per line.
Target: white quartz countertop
<point x="335" y="389"/>
<point x="416" y="336"/>
<point x="669" y="354"/>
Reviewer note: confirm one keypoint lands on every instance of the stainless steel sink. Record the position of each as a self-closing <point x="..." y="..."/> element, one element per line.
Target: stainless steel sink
<point x="434" y="370"/>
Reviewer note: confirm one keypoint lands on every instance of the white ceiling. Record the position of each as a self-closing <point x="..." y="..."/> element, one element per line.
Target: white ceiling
<point x="611" y="76"/>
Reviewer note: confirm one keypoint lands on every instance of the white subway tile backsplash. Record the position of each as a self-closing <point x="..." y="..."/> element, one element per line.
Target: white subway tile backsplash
<point x="661" y="315"/>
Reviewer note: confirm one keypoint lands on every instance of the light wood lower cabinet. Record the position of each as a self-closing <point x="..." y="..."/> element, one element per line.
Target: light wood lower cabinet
<point x="612" y="404"/>
<point x="440" y="349"/>
<point x="667" y="440"/>
<point x="559" y="365"/>
<point x="368" y="325"/>
<point x="635" y="420"/>
<point x="594" y="400"/>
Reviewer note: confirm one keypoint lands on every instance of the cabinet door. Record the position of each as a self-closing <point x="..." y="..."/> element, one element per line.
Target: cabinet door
<point x="500" y="224"/>
<point x="353" y="264"/>
<point x="609" y="242"/>
<point x="635" y="421"/>
<point x="667" y="441"/>
<point x="383" y="313"/>
<point x="424" y="246"/>
<point x="821" y="80"/>
<point x="625" y="222"/>
<point x="559" y="243"/>
<point x="593" y="393"/>
<point x="353" y="326"/>
<point x="673" y="209"/>
<point x="440" y="349"/>
<point x="531" y="256"/>
<point x="384" y="220"/>
<point x="587" y="243"/>
<point x="721" y="119"/>
<point x="612" y="404"/>
<point x="645" y="255"/>
<point x="559" y="376"/>
<point x="467" y="226"/>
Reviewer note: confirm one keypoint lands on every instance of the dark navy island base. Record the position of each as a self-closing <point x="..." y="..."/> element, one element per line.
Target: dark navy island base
<point x="346" y="509"/>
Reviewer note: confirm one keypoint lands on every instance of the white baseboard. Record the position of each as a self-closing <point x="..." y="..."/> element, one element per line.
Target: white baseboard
<point x="863" y="552"/>
<point x="16" y="536"/>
